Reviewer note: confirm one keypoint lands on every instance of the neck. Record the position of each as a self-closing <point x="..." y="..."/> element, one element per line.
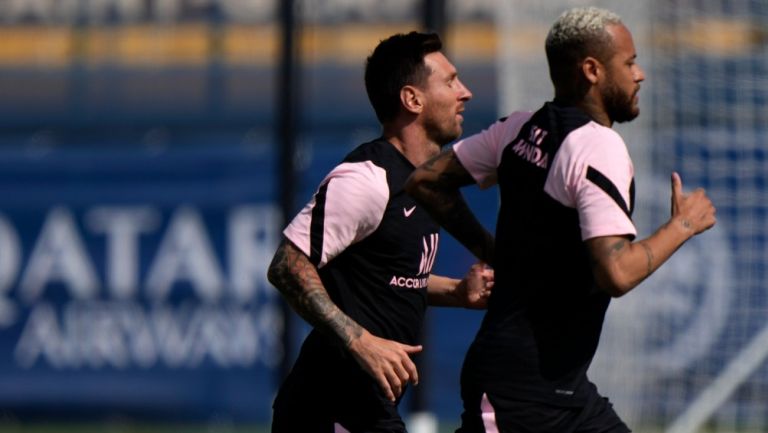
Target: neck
<point x="591" y="103"/>
<point x="412" y="142"/>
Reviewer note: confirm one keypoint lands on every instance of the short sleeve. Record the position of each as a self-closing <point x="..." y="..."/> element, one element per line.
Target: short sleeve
<point x="593" y="173"/>
<point x="480" y="154"/>
<point x="347" y="207"/>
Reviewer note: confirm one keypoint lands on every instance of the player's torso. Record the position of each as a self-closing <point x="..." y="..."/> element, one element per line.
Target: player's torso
<point x="538" y="239"/>
<point x="544" y="315"/>
<point x="381" y="281"/>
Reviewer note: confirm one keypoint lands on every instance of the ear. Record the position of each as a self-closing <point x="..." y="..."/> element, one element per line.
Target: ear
<point x="592" y="70"/>
<point x="412" y="99"/>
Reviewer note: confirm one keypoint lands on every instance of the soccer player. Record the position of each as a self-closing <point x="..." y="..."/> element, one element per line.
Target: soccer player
<point x="356" y="261"/>
<point x="564" y="236"/>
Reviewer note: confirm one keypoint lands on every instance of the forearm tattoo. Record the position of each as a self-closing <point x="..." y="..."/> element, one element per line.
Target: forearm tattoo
<point x="686" y="224"/>
<point x="445" y="203"/>
<point x="616" y="247"/>
<point x="609" y="252"/>
<point x="649" y="256"/>
<point x="296" y="278"/>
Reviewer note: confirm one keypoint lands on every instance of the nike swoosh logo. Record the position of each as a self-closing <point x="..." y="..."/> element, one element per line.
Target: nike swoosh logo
<point x="408" y="212"/>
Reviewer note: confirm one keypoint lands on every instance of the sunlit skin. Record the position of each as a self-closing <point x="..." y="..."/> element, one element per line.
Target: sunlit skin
<point x="614" y="84"/>
<point x="619" y="264"/>
<point x="623" y="76"/>
<point x="431" y="115"/>
<point x="446" y="95"/>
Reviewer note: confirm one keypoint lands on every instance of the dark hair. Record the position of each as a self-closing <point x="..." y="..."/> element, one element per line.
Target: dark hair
<point x="396" y="62"/>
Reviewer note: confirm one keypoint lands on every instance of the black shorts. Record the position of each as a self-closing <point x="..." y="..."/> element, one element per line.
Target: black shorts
<point x="486" y="413"/>
<point x="317" y="396"/>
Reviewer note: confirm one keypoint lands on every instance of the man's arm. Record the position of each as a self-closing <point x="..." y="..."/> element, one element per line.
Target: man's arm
<point x="619" y="265"/>
<point x="388" y="362"/>
<point x="470" y="292"/>
<point x="435" y="185"/>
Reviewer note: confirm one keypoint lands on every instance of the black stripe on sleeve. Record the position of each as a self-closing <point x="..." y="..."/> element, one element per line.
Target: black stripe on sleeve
<point x="599" y="179"/>
<point x="317" y="228"/>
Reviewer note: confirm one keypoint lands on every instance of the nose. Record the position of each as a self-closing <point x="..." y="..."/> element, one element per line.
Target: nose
<point x="639" y="74"/>
<point x="464" y="93"/>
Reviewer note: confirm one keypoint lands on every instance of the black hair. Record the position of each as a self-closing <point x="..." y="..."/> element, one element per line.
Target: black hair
<point x="396" y="62"/>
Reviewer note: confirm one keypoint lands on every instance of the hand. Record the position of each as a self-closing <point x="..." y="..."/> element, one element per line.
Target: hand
<point x="387" y="361"/>
<point x="694" y="211"/>
<point x="473" y="291"/>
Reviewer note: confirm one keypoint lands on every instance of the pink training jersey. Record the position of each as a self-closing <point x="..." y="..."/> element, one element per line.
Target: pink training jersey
<point x="562" y="179"/>
<point x="374" y="248"/>
<point x="592" y="145"/>
<point x="356" y="197"/>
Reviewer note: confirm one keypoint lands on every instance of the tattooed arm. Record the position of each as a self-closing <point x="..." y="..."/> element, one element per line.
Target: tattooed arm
<point x="435" y="185"/>
<point x="388" y="362"/>
<point x="619" y="265"/>
<point x="297" y="279"/>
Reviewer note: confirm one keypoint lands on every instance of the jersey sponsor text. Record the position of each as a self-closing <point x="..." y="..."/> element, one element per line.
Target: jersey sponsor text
<point x="408" y="283"/>
<point x="530" y="150"/>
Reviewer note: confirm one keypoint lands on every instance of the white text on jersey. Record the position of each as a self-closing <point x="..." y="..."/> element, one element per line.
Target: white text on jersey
<point x="409" y="283"/>
<point x="429" y="253"/>
<point x="425" y="266"/>
<point x="530" y="149"/>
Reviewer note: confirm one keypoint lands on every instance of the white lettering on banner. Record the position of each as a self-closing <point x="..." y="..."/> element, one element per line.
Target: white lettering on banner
<point x="59" y="255"/>
<point x="185" y="254"/>
<point x="250" y="229"/>
<point x="10" y="255"/>
<point x="122" y="227"/>
<point x="121" y="334"/>
<point x="235" y="325"/>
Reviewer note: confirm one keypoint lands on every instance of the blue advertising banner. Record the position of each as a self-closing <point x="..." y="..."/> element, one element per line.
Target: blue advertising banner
<point x="133" y="282"/>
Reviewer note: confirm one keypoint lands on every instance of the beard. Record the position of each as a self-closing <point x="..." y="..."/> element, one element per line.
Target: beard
<point x="443" y="133"/>
<point x="619" y="105"/>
